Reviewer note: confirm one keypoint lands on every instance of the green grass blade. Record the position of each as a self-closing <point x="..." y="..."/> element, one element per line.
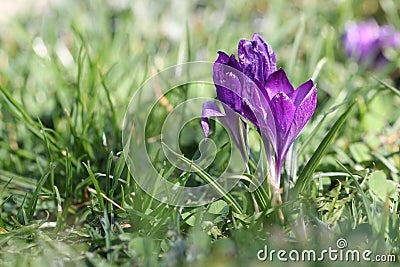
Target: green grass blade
<point x="388" y="86"/>
<point x="209" y="180"/>
<point x="105" y="223"/>
<point x="25" y="183"/>
<point x="32" y="204"/>
<point x="96" y="185"/>
<point x="312" y="164"/>
<point x="367" y="204"/>
<point x="68" y="184"/>
<point x="59" y="209"/>
<point x="47" y="144"/>
<point x="108" y="177"/>
<point x="19" y="112"/>
<point x="16" y="108"/>
<point x="110" y="103"/>
<point x="3" y="188"/>
<point x="296" y="46"/>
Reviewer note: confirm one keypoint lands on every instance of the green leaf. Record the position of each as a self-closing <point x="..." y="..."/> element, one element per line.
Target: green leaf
<point x="360" y="152"/>
<point x="217" y="207"/>
<point x="312" y="164"/>
<point x="190" y="218"/>
<point x="382" y="187"/>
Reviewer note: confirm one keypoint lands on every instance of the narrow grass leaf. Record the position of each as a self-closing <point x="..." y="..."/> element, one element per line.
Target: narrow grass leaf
<point x="296" y="46"/>
<point x="32" y="204"/>
<point x="107" y="198"/>
<point x="59" y="209"/>
<point x="105" y="223"/>
<point x="110" y="103"/>
<point x="209" y="180"/>
<point x="388" y="86"/>
<point x="96" y="185"/>
<point x="366" y="202"/>
<point x="308" y="170"/>
<point x="19" y="112"/>
<point x="68" y="183"/>
<point x="108" y="173"/>
<point x="47" y="144"/>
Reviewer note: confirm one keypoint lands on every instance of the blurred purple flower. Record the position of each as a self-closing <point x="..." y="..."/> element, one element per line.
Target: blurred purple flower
<point x="366" y="41"/>
<point x="253" y="88"/>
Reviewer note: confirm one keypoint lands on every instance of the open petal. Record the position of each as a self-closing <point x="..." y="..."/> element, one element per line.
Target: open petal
<point x="284" y="111"/>
<point x="303" y="114"/>
<point x="230" y="119"/>
<point x="227" y="90"/>
<point x="254" y="104"/>
<point x="301" y="117"/>
<point x="278" y="82"/>
<point x="223" y="58"/>
<point x="231" y="61"/>
<point x="225" y="75"/>
<point x="302" y="91"/>
<point x="210" y="109"/>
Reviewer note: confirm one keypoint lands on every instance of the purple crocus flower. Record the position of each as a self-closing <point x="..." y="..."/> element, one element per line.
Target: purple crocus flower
<point x="253" y="88"/>
<point x="366" y="41"/>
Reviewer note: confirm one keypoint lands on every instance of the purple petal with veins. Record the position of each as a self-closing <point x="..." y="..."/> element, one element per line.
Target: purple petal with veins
<point x="253" y="88"/>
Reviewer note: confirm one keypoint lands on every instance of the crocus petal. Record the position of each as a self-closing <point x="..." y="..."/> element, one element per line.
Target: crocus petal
<point x="254" y="105"/>
<point x="237" y="90"/>
<point x="266" y="49"/>
<point x="226" y="81"/>
<point x="252" y="87"/>
<point x="368" y="36"/>
<point x="303" y="114"/>
<point x="301" y="92"/>
<point x="230" y="119"/>
<point x="389" y="37"/>
<point x="257" y="58"/>
<point x="355" y="46"/>
<point x="363" y="40"/>
<point x="278" y="82"/>
<point x="210" y="109"/>
<point x="251" y="60"/>
<point x="231" y="61"/>
<point x="283" y="110"/>
<point x="366" y="41"/>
